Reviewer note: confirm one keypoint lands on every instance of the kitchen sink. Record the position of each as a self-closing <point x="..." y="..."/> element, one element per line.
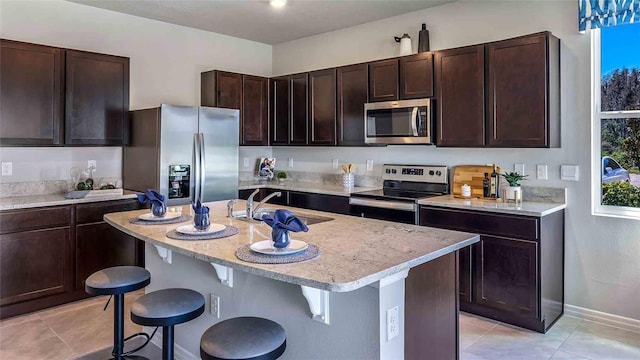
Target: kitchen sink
<point x="308" y="219"/>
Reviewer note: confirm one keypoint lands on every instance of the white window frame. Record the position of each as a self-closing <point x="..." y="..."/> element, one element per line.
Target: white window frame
<point x="596" y="140"/>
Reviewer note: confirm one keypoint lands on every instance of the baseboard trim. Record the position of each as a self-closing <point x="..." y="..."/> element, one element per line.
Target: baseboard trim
<point x="179" y="352"/>
<point x="603" y="318"/>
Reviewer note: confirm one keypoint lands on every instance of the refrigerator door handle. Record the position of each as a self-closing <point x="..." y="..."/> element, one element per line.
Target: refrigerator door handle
<point x="196" y="167"/>
<point x="203" y="171"/>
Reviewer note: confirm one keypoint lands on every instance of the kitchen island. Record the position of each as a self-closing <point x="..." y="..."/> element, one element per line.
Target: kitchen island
<point x="334" y="306"/>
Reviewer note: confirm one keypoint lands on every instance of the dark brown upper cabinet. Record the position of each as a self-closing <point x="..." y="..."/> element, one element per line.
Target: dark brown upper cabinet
<point x="280" y="95"/>
<point x="416" y="76"/>
<point x="299" y="109"/>
<point x="523" y="92"/>
<point x="383" y="80"/>
<point x="322" y="107"/>
<point x="247" y="93"/>
<point x="254" y="127"/>
<point x="352" y="94"/>
<point x="31" y="94"/>
<point x="289" y="97"/>
<point x="97" y="99"/>
<point x="221" y="89"/>
<point x="460" y="93"/>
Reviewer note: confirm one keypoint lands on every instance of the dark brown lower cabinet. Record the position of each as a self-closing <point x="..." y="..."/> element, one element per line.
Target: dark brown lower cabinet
<point x="431" y="310"/>
<point x="34" y="264"/>
<point x="313" y="201"/>
<point x="515" y="274"/>
<point x="47" y="253"/>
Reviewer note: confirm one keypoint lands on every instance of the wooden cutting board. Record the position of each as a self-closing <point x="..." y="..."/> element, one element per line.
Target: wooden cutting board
<point x="471" y="175"/>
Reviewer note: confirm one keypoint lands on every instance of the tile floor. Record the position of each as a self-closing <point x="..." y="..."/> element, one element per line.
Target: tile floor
<point x="82" y="330"/>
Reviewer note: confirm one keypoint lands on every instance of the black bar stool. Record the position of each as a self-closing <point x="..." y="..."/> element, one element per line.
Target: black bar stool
<point x="117" y="281"/>
<point x="167" y="308"/>
<point x="247" y="338"/>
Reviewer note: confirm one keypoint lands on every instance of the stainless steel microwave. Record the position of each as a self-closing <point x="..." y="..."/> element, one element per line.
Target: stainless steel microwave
<point x="398" y="122"/>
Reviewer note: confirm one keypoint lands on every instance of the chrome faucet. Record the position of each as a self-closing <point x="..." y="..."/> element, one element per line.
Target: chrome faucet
<point x="251" y="210"/>
<point x="230" y="205"/>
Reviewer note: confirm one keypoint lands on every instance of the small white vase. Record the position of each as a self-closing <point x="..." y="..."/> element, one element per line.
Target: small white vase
<point x="511" y="192"/>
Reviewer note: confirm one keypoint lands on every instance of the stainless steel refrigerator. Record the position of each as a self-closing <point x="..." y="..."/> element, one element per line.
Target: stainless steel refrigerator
<point x="185" y="152"/>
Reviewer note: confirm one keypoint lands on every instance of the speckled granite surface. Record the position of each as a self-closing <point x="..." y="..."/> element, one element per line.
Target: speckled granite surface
<point x="26" y="202"/>
<point x="354" y="252"/>
<point x="537" y="202"/>
<point x="306" y="186"/>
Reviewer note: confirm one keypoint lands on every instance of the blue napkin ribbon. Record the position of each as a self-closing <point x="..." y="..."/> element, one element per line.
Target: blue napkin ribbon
<point x="283" y="219"/>
<point x="152" y="197"/>
<point x="199" y="209"/>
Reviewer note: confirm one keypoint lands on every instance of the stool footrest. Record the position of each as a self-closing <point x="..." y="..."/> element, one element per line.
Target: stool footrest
<point x="143" y="334"/>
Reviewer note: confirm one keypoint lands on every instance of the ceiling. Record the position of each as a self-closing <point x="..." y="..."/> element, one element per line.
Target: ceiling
<point x="256" y="20"/>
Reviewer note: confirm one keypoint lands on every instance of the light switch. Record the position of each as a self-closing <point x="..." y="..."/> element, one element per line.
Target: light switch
<point x="569" y="172"/>
<point x="334" y="163"/>
<point x="519" y="168"/>
<point x="245" y="162"/>
<point x="369" y="165"/>
<point x="541" y="172"/>
<point x="290" y="162"/>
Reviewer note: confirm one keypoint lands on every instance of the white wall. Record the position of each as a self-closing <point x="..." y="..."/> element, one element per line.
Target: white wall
<point x="602" y="271"/>
<point x="166" y="61"/>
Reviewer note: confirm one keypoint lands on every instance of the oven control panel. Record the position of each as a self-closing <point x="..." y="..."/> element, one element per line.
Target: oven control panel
<point x="418" y="173"/>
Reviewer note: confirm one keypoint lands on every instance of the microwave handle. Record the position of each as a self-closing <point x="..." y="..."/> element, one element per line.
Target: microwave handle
<point x="414" y="120"/>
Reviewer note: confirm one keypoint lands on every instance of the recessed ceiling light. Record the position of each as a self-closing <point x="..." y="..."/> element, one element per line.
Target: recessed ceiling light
<point x="278" y="3"/>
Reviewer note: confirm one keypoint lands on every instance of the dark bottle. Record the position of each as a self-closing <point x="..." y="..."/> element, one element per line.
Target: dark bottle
<point x="495" y="182"/>
<point x="486" y="186"/>
<point x="423" y="39"/>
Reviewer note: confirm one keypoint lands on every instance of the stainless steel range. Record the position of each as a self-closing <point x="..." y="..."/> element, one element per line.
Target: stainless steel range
<point x="403" y="186"/>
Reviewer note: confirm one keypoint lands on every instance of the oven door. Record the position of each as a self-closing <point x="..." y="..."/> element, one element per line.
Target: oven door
<point x="398" y="122"/>
<point x="398" y="211"/>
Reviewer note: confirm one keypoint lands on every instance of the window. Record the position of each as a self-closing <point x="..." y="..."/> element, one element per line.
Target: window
<point x="616" y="120"/>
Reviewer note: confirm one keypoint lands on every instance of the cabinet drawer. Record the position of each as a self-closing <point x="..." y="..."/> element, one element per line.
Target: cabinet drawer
<point x="483" y="223"/>
<point x="321" y="202"/>
<point x="33" y="219"/>
<point x="88" y="213"/>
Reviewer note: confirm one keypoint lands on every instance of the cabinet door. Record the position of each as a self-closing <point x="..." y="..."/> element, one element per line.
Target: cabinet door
<point x="465" y="266"/>
<point x="99" y="246"/>
<point x="353" y="92"/>
<point x="460" y="93"/>
<point x="517" y="92"/>
<point x="254" y="123"/>
<point x="283" y="199"/>
<point x="322" y="107"/>
<point x="97" y="99"/>
<point x="280" y="110"/>
<point x="416" y="76"/>
<point x="244" y="194"/>
<point x="320" y="202"/>
<point x="31" y="89"/>
<point x="299" y="107"/>
<point x="505" y="275"/>
<point x="383" y="80"/>
<point x="229" y="90"/>
<point x="34" y="264"/>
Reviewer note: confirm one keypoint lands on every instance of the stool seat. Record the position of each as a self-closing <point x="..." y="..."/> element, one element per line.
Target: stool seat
<point x="167" y="307"/>
<point x="117" y="280"/>
<point x="243" y="338"/>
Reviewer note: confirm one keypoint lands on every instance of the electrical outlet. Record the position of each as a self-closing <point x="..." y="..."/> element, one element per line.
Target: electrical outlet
<point x="519" y="168"/>
<point x="393" y="326"/>
<point x="245" y="162"/>
<point x="91" y="163"/>
<point x="541" y="172"/>
<point x="290" y="163"/>
<point x="369" y="165"/>
<point x="7" y="168"/>
<point x="334" y="163"/>
<point x="215" y="306"/>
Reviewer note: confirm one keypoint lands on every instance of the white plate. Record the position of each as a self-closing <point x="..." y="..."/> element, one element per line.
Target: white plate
<point x="168" y="216"/>
<point x="265" y="247"/>
<point x="191" y="229"/>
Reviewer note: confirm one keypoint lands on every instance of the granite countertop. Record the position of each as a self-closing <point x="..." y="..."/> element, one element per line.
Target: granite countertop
<point x="354" y="252"/>
<point x="304" y="186"/>
<point x="33" y="201"/>
<point x="529" y="208"/>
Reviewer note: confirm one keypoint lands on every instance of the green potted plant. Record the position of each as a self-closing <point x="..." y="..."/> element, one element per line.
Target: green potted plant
<point x="281" y="175"/>
<point x="513" y="178"/>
